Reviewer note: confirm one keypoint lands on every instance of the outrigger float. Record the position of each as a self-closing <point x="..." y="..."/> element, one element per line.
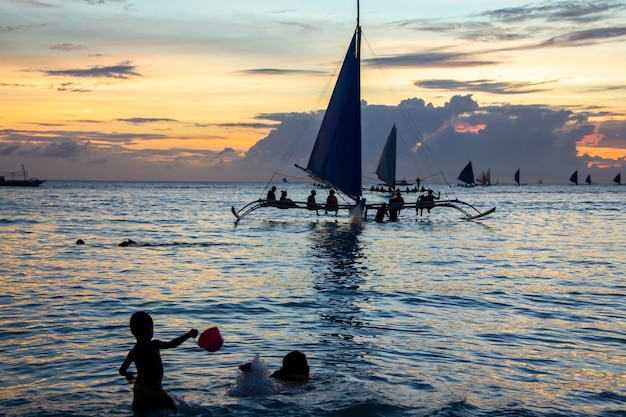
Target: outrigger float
<point x="335" y="160"/>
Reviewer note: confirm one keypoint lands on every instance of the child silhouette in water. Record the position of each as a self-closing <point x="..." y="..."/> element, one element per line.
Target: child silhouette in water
<point x="148" y="393"/>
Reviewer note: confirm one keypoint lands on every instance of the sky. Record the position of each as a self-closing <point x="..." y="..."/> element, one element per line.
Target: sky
<point x="204" y="90"/>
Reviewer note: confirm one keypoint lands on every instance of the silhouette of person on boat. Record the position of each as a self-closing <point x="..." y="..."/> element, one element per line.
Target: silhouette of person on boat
<point x="284" y="201"/>
<point x="426" y="202"/>
<point x="331" y="203"/>
<point x="395" y="205"/>
<point x="310" y="202"/>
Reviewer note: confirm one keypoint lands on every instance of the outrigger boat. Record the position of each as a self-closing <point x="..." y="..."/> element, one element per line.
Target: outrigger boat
<point x="335" y="160"/>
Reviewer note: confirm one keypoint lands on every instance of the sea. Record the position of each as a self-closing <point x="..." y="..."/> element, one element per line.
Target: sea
<point x="520" y="313"/>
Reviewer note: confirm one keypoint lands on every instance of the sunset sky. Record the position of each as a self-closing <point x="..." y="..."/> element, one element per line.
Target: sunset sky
<point x="203" y="90"/>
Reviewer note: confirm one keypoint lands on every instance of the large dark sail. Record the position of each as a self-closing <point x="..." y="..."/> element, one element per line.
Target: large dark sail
<point x="336" y="155"/>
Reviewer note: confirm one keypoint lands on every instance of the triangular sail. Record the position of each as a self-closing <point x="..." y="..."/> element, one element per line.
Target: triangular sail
<point x="481" y="178"/>
<point x="517" y="177"/>
<point x="336" y="155"/>
<point x="588" y="179"/>
<point x="467" y="175"/>
<point x="618" y="178"/>
<point x="386" y="170"/>
<point x="574" y="177"/>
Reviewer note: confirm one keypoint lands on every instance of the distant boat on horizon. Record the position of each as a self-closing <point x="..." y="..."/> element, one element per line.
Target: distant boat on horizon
<point x="467" y="175"/>
<point x="588" y="179"/>
<point x="19" y="179"/>
<point x="618" y="179"/>
<point x="574" y="177"/>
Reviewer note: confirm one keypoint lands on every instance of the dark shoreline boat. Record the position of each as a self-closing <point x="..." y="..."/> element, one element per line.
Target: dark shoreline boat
<point x="19" y="179"/>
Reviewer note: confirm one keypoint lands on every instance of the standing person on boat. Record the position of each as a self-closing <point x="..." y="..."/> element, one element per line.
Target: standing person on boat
<point x="310" y="202"/>
<point x="331" y="202"/>
<point x="148" y="394"/>
<point x="426" y="201"/>
<point x="395" y="205"/>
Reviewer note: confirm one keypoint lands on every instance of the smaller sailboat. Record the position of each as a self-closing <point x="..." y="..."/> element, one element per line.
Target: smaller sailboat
<point x="484" y="178"/>
<point x="517" y="177"/>
<point x="467" y="175"/>
<point x="588" y="179"/>
<point x="618" y="179"/>
<point x="574" y="177"/>
<point x="386" y="170"/>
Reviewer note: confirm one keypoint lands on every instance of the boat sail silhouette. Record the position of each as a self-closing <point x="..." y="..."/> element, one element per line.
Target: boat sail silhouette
<point x="467" y="175"/>
<point x="335" y="160"/>
<point x="618" y="179"/>
<point x="574" y="177"/>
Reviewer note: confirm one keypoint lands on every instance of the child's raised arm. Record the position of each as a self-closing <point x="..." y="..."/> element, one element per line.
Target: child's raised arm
<point x="176" y="342"/>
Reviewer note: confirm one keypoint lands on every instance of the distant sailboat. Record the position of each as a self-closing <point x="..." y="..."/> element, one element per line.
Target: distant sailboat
<point x="574" y="177"/>
<point x="467" y="175"/>
<point x="588" y="179"/>
<point x="618" y="179"/>
<point x="484" y="178"/>
<point x="517" y="177"/>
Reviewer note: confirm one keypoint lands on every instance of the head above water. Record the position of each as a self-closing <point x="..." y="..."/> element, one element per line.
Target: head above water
<point x="141" y="325"/>
<point x="295" y="363"/>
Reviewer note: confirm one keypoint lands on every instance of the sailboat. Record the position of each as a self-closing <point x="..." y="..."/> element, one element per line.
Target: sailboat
<point x="467" y="175"/>
<point x="484" y="178"/>
<point x="336" y="156"/>
<point x="386" y="170"/>
<point x="517" y="177"/>
<point x="574" y="177"/>
<point x="618" y="179"/>
<point x="588" y="179"/>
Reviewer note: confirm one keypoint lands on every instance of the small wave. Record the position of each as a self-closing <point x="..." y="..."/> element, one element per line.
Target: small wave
<point x="253" y="380"/>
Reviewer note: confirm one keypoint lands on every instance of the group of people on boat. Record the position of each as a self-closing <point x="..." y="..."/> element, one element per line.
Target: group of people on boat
<point x="382" y="189"/>
<point x="332" y="205"/>
<point x="396" y="204"/>
<point x="391" y="209"/>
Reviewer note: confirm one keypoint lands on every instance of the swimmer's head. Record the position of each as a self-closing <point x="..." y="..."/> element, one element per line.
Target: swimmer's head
<point x="141" y="325"/>
<point x="295" y="363"/>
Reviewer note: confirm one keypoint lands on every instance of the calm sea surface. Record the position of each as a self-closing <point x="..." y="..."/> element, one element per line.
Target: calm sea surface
<point x="522" y="313"/>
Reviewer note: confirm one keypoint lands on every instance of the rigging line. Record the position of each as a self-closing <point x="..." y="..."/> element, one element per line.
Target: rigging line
<point x="423" y="149"/>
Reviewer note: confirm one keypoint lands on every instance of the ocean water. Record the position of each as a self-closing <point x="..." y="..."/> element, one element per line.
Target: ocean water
<point x="522" y="313"/>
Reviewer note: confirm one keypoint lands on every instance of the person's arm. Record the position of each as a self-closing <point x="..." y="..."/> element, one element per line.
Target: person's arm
<point x="130" y="376"/>
<point x="176" y="342"/>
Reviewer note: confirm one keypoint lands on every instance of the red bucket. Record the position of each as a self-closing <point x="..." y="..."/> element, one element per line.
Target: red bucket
<point x="211" y="339"/>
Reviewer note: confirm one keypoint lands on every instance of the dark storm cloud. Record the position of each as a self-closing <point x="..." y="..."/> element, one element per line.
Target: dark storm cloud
<point x="538" y="139"/>
<point x="123" y="70"/>
<point x="488" y="86"/>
